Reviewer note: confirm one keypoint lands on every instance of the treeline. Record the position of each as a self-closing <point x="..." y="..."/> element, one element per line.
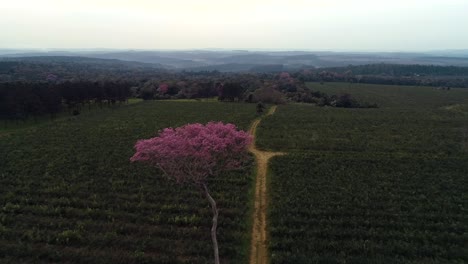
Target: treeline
<point x="321" y="99"/>
<point x="21" y="100"/>
<point x="413" y="81"/>
<point x="278" y="88"/>
<point x="73" y="68"/>
<point x="62" y="68"/>
<point x="402" y="70"/>
<point x="227" y="87"/>
<point x="390" y="74"/>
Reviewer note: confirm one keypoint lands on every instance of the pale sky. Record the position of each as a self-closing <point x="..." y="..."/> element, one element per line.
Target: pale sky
<point x="374" y="25"/>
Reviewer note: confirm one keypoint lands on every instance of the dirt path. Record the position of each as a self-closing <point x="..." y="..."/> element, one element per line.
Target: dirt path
<point x="259" y="247"/>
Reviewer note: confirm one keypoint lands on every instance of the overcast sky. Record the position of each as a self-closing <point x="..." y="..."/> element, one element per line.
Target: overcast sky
<point x="373" y="25"/>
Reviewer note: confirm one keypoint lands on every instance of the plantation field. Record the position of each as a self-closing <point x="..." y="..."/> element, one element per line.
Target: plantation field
<point x="357" y="185"/>
<point x="438" y="127"/>
<point x="396" y="96"/>
<point x="332" y="208"/>
<point x="385" y="185"/>
<point x="68" y="193"/>
<point x="87" y="109"/>
<point x="306" y="127"/>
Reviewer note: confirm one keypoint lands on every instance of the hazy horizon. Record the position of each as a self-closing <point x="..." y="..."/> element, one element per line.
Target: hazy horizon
<point x="214" y="49"/>
<point x="300" y="25"/>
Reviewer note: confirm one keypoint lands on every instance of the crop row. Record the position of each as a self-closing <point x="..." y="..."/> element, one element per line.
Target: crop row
<point x="305" y="128"/>
<point x="368" y="208"/>
<point x="395" y="96"/>
<point x="69" y="194"/>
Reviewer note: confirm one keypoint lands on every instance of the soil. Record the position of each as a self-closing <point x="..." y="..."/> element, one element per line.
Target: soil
<point x="259" y="245"/>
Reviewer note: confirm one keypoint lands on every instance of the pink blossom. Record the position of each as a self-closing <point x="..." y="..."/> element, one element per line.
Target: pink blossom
<point x="191" y="153"/>
<point x="285" y="75"/>
<point x="163" y="88"/>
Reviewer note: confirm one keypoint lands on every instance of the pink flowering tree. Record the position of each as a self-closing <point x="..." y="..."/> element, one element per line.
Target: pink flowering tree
<point x="163" y="88"/>
<point x="285" y="75"/>
<point x="193" y="153"/>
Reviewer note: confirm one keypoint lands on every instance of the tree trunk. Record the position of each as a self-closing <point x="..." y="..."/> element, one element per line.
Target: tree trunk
<point x="215" y="223"/>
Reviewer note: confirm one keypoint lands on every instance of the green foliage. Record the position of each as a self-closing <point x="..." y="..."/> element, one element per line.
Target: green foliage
<point x="392" y="96"/>
<point x="268" y="95"/>
<point x="390" y="74"/>
<point x="67" y="67"/>
<point x="368" y="208"/>
<point x="383" y="185"/>
<point x="68" y="192"/>
<point x="402" y="70"/>
<point x="69" y="237"/>
<point x="416" y="121"/>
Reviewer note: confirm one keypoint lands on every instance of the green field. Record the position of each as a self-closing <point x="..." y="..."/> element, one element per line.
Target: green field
<point x="437" y="125"/>
<point x="386" y="185"/>
<point x="87" y="109"/>
<point x="332" y="208"/>
<point x="396" y="96"/>
<point x="306" y="127"/>
<point x="68" y="192"/>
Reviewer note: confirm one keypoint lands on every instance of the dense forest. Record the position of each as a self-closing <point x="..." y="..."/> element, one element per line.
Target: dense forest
<point x="63" y="68"/>
<point x="72" y="68"/>
<point x="19" y="100"/>
<point x="48" y="85"/>
<point x="391" y="74"/>
<point x="402" y="70"/>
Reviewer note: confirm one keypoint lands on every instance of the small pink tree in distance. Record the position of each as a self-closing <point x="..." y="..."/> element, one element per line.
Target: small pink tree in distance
<point x="163" y="88"/>
<point x="193" y="153"/>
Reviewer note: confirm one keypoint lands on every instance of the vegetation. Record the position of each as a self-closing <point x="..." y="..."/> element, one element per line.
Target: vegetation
<point x="18" y="100"/>
<point x="410" y="119"/>
<point x="368" y="208"/>
<point x="21" y="100"/>
<point x="359" y="183"/>
<point x="192" y="154"/>
<point x="396" y="97"/>
<point x="390" y="74"/>
<point x="64" y="68"/>
<point x="75" y="68"/>
<point x="370" y="185"/>
<point x="403" y="70"/>
<point x="68" y="192"/>
<point x="268" y="95"/>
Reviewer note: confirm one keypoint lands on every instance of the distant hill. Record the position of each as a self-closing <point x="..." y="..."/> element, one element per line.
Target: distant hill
<point x="80" y="60"/>
<point x="243" y="60"/>
<point x="237" y="67"/>
<point x="228" y="67"/>
<point x="65" y="67"/>
<point x="148" y="57"/>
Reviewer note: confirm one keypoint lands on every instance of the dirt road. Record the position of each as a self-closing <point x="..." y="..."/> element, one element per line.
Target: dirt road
<point x="259" y="246"/>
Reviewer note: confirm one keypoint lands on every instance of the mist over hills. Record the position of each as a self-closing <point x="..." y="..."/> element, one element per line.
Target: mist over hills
<point x="244" y="60"/>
